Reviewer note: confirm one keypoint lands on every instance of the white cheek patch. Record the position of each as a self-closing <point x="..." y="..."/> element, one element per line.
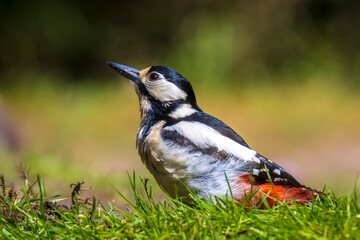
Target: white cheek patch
<point x="204" y="136"/>
<point x="164" y="91"/>
<point x="182" y="111"/>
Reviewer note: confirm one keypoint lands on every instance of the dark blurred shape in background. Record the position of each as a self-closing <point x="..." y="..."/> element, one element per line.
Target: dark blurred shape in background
<point x="73" y="39"/>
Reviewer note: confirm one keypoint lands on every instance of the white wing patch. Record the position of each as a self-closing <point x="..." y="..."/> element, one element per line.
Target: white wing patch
<point x="204" y="136"/>
<point x="277" y="171"/>
<point x="256" y="160"/>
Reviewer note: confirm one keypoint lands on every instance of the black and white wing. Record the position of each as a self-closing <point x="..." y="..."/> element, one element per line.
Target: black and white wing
<point x="212" y="139"/>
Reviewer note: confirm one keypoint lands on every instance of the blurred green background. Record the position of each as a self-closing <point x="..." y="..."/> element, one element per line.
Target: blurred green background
<point x="284" y="74"/>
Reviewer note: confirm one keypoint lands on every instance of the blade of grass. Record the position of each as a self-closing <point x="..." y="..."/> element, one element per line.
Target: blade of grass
<point x="41" y="201"/>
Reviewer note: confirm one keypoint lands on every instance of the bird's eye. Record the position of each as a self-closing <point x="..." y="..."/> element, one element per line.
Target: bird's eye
<point x="154" y="76"/>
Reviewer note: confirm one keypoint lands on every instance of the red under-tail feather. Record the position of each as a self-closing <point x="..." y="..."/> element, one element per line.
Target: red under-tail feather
<point x="283" y="193"/>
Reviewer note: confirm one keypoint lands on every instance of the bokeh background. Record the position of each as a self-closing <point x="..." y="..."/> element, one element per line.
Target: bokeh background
<point x="284" y="74"/>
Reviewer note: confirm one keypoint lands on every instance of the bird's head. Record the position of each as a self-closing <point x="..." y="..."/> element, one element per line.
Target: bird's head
<point x="160" y="89"/>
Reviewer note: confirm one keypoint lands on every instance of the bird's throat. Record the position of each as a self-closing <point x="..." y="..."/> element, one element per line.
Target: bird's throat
<point x="145" y="107"/>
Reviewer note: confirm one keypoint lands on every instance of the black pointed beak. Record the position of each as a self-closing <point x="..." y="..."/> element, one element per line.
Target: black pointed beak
<point x="128" y="72"/>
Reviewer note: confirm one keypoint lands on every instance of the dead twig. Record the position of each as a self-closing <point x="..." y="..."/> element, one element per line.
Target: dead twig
<point x="76" y="192"/>
<point x="2" y="184"/>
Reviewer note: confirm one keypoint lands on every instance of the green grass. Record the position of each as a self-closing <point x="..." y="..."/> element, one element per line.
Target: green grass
<point x="31" y="215"/>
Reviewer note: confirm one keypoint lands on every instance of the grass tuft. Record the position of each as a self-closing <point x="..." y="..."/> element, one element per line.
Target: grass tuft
<point x="26" y="214"/>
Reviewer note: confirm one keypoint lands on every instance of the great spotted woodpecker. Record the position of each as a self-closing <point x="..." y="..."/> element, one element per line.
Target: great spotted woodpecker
<point x="182" y="145"/>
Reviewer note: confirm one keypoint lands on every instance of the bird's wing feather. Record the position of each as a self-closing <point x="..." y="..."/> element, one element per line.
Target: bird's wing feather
<point x="210" y="136"/>
<point x="214" y="123"/>
<point x="277" y="174"/>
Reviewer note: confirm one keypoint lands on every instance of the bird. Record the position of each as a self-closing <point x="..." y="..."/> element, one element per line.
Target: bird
<point x="188" y="150"/>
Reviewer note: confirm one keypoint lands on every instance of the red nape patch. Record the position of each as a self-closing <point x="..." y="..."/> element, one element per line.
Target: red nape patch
<point x="283" y="193"/>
